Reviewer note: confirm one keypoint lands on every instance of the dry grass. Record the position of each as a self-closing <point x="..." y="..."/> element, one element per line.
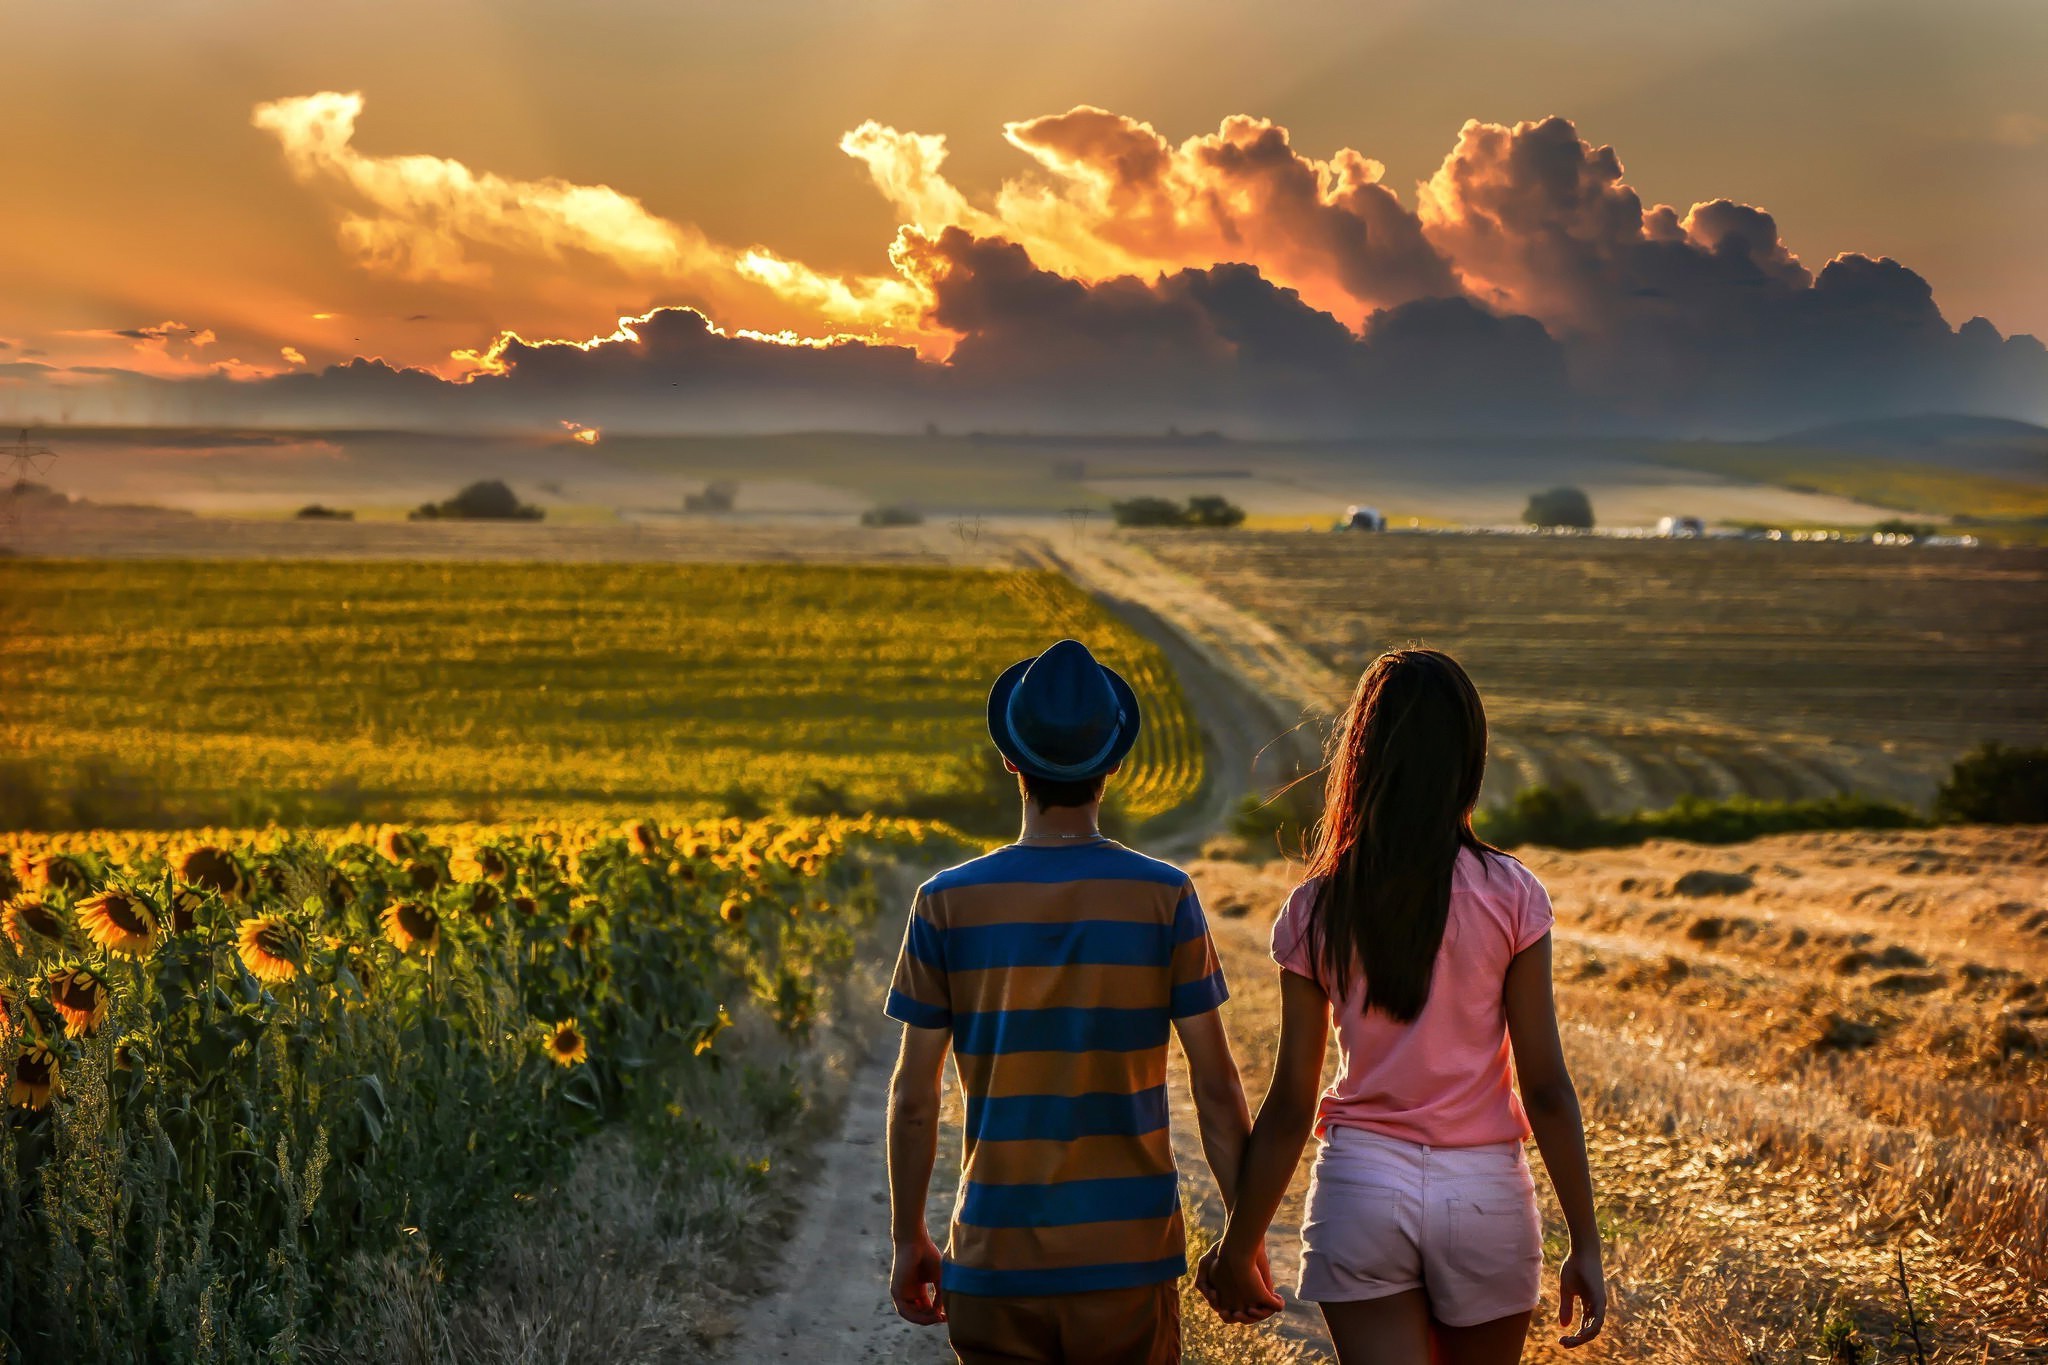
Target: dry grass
<point x="1642" y="671"/>
<point x="650" y="1249"/>
<point x="1778" y="1100"/>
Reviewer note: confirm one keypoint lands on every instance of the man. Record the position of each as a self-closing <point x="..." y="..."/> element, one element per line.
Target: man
<point x="1054" y="968"/>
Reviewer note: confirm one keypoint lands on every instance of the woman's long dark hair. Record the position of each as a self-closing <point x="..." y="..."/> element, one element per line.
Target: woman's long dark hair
<point x="1405" y="766"/>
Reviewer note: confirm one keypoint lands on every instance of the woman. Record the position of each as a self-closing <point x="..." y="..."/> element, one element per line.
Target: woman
<point x="1431" y="952"/>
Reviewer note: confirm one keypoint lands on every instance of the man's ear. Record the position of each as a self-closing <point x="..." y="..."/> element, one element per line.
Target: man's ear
<point x="1010" y="767"/>
<point x="1114" y="771"/>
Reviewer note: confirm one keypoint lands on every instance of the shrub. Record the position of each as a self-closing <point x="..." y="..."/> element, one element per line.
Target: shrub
<point x="1211" y="510"/>
<point x="1556" y="817"/>
<point x="893" y="515"/>
<point x="1562" y="817"/>
<point x="1899" y="526"/>
<point x="1560" y="507"/>
<point x="1149" y="512"/>
<point x="484" y="500"/>
<point x="314" y="511"/>
<point x="1206" y="510"/>
<point x="1995" y="785"/>
<point x="717" y="496"/>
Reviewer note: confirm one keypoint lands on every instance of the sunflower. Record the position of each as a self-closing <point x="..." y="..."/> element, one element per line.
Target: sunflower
<point x="270" y="948"/>
<point x="29" y="921"/>
<point x="35" y="1077"/>
<point x="410" y="925"/>
<point x="81" y="996"/>
<point x="10" y="885"/>
<point x="214" y="869"/>
<point x="424" y="874"/>
<point x="526" y="905"/>
<point x="399" y="845"/>
<point x="480" y="863"/>
<point x="483" y="899"/>
<point x="119" y="922"/>
<point x="566" y="1044"/>
<point x="185" y="903"/>
<point x="644" y="836"/>
<point x="50" y="872"/>
<point x="580" y="934"/>
<point x="130" y="1054"/>
<point x="733" y="910"/>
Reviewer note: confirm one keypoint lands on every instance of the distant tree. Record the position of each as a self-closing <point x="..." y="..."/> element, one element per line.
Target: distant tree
<point x="319" y="512"/>
<point x="484" y="500"/>
<point x="1899" y="526"/>
<point x="718" y="496"/>
<point x="1560" y="507"/>
<point x="1995" y="785"/>
<point x="1149" y="512"/>
<point x="894" y="515"/>
<point x="1210" y="510"/>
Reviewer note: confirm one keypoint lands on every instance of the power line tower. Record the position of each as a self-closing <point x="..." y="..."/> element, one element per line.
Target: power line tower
<point x="24" y="459"/>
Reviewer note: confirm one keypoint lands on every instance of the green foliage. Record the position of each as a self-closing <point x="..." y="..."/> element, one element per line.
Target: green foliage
<point x="1899" y="526"/>
<point x="222" y="1143"/>
<point x="168" y="694"/>
<point x="1562" y="817"/>
<point x="1568" y="507"/>
<point x="484" y="500"/>
<point x="1207" y="511"/>
<point x="1996" y="785"/>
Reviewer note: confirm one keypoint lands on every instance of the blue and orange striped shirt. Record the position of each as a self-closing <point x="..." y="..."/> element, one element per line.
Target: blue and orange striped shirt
<point x="1059" y="970"/>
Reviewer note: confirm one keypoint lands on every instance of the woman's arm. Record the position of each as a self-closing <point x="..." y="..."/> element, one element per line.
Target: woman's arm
<point x="1273" y="1151"/>
<point x="1552" y="1103"/>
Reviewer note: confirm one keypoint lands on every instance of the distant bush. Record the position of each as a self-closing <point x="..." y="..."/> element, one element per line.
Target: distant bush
<point x="1899" y="526"/>
<point x="316" y="512"/>
<point x="718" y="496"/>
<point x="1206" y="510"/>
<point x="1214" y="511"/>
<point x="1994" y="785"/>
<point x="1280" y="825"/>
<point x="1149" y="512"/>
<point x="892" y="516"/>
<point x="1562" y="817"/>
<point x="484" y="500"/>
<point x="1560" y="507"/>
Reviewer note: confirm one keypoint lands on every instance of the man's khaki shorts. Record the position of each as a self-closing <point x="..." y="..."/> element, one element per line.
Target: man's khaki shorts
<point x="1138" y="1326"/>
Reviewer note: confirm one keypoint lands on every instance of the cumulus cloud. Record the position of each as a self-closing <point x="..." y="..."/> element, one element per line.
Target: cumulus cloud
<point x="1111" y="196"/>
<point x="431" y="218"/>
<point x="1126" y="281"/>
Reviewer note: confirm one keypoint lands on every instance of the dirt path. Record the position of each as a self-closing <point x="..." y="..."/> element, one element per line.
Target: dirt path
<point x="832" y="1302"/>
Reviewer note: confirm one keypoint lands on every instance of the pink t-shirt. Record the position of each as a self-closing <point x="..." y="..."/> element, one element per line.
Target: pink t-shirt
<point x="1445" y="1079"/>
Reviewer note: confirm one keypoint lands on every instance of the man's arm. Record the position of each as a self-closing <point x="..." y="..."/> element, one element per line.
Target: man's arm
<point x="914" y="1093"/>
<point x="1226" y="1123"/>
<point x="1225" y="1117"/>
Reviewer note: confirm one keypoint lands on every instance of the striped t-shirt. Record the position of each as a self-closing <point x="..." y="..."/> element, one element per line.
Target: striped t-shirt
<point x="1059" y="970"/>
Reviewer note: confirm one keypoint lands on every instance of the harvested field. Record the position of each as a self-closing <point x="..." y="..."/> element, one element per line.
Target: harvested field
<point x="1643" y="671"/>
<point x="1798" y="1056"/>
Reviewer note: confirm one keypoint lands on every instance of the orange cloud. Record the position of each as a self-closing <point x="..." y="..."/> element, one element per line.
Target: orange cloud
<point x="1111" y="197"/>
<point x="432" y="218"/>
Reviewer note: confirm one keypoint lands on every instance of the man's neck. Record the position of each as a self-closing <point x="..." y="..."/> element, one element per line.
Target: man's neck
<point x="1070" y="823"/>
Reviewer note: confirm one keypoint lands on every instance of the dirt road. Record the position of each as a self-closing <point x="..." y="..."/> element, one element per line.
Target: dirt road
<point x="831" y="1303"/>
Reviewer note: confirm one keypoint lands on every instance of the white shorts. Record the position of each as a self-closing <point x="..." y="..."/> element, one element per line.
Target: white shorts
<point x="1459" y="1223"/>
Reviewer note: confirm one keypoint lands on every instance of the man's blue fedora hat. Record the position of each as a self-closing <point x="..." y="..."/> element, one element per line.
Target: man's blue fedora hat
<point x="1062" y="716"/>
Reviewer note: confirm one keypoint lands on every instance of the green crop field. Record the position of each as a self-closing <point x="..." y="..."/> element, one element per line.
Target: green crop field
<point x="1921" y="488"/>
<point x="190" y="692"/>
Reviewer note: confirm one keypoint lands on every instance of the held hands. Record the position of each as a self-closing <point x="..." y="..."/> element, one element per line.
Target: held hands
<point x="914" y="1281"/>
<point x="1238" y="1286"/>
<point x="1581" y="1282"/>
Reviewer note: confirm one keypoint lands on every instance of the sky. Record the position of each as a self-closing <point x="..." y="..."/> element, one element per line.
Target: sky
<point x="224" y="192"/>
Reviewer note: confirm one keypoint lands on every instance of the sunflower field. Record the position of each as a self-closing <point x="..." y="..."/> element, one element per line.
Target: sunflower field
<point x="172" y="694"/>
<point x="236" y="1063"/>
